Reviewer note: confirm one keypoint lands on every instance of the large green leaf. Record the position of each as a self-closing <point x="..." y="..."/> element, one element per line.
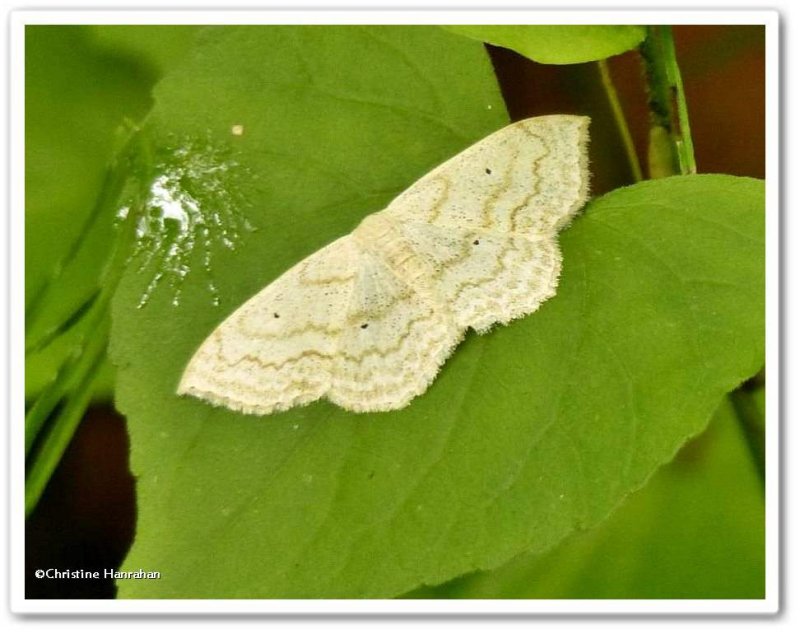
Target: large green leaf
<point x="528" y="433"/>
<point x="695" y="531"/>
<point x="558" y="44"/>
<point x="76" y="97"/>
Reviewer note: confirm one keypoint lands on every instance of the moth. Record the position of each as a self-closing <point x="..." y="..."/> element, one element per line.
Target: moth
<point x="368" y="320"/>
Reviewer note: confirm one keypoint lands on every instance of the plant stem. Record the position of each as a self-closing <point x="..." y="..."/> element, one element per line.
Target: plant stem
<point x="57" y="440"/>
<point x="73" y="385"/>
<point x="54" y="332"/>
<point x="50" y="397"/>
<point x="671" y="148"/>
<point x="619" y="118"/>
<point x="113" y="182"/>
<point x="684" y="142"/>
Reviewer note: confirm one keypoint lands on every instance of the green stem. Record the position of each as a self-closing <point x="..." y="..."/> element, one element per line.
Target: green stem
<point x="72" y="388"/>
<point x="76" y="401"/>
<point x="671" y="148"/>
<point x="50" y="397"/>
<point x="113" y="182"/>
<point x="75" y="316"/>
<point x="619" y="118"/>
<point x="685" y="145"/>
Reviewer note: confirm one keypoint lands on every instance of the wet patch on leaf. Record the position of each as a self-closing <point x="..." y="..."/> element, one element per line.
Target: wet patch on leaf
<point x="187" y="207"/>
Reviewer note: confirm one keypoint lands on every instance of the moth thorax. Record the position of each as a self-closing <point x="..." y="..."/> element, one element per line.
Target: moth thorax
<point x="381" y="236"/>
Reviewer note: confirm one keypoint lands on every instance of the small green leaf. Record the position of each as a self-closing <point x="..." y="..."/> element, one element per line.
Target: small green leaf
<point x="558" y="44"/>
<point x="529" y="432"/>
